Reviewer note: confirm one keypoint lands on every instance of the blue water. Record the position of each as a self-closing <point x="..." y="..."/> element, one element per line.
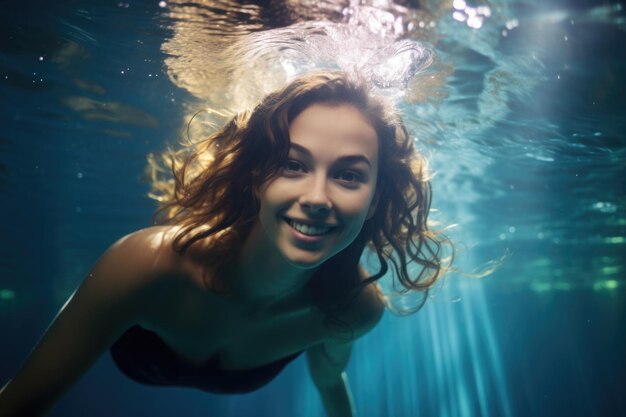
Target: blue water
<point x="518" y="105"/>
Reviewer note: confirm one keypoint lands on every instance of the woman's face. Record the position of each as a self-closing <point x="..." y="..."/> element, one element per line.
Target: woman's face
<point x="317" y="204"/>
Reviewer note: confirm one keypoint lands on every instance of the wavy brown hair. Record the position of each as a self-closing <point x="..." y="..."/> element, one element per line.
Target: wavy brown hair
<point x="212" y="190"/>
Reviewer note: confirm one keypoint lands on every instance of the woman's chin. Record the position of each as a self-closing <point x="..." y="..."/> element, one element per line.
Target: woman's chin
<point x="303" y="259"/>
<point x="305" y="264"/>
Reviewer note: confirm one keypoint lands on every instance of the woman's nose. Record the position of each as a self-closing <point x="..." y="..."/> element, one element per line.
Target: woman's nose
<point x="314" y="197"/>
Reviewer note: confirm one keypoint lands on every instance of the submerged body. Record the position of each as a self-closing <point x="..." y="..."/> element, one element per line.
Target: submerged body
<point x="231" y="334"/>
<point x="311" y="211"/>
<point x="258" y="258"/>
<point x="141" y="281"/>
<point x="199" y="324"/>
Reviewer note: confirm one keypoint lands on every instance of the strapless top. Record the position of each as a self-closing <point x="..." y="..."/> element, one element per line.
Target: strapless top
<point x="143" y="356"/>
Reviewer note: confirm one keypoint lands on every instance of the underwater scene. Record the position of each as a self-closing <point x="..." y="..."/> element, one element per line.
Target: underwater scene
<point x="518" y="105"/>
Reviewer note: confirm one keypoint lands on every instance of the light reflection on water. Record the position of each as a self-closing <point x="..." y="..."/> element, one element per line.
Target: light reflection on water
<point x="233" y="70"/>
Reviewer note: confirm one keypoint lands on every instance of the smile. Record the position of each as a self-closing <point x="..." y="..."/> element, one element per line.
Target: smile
<point x="309" y="230"/>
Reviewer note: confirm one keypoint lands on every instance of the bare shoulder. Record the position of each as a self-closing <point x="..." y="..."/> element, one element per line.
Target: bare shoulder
<point x="136" y="261"/>
<point x="152" y="243"/>
<point x="148" y="249"/>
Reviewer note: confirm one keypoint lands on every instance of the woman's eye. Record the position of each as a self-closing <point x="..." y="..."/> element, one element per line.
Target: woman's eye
<point x="293" y="166"/>
<point x="349" y="176"/>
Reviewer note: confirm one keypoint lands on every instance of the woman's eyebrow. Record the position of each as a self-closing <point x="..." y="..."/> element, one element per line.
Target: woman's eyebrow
<point x="347" y="159"/>
<point x="300" y="149"/>
<point x="354" y="159"/>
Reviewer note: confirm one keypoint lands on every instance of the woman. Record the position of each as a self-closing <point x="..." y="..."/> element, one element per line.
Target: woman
<point x="257" y="256"/>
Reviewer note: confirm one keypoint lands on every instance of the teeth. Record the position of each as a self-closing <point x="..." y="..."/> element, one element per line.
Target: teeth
<point x="309" y="230"/>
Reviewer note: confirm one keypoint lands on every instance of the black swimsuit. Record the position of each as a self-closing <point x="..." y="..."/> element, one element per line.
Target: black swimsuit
<point x="145" y="358"/>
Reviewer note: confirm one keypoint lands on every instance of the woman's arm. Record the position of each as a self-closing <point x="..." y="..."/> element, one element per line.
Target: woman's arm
<point x="108" y="302"/>
<point x="327" y="362"/>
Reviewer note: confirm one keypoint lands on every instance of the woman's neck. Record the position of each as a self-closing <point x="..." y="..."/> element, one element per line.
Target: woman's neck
<point x="260" y="275"/>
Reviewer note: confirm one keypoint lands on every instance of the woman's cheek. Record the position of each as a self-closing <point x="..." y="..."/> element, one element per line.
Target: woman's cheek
<point x="357" y="205"/>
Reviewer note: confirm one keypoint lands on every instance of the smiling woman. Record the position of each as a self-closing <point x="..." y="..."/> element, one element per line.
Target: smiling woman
<point x="262" y="229"/>
<point x="217" y="181"/>
<point x="317" y="204"/>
